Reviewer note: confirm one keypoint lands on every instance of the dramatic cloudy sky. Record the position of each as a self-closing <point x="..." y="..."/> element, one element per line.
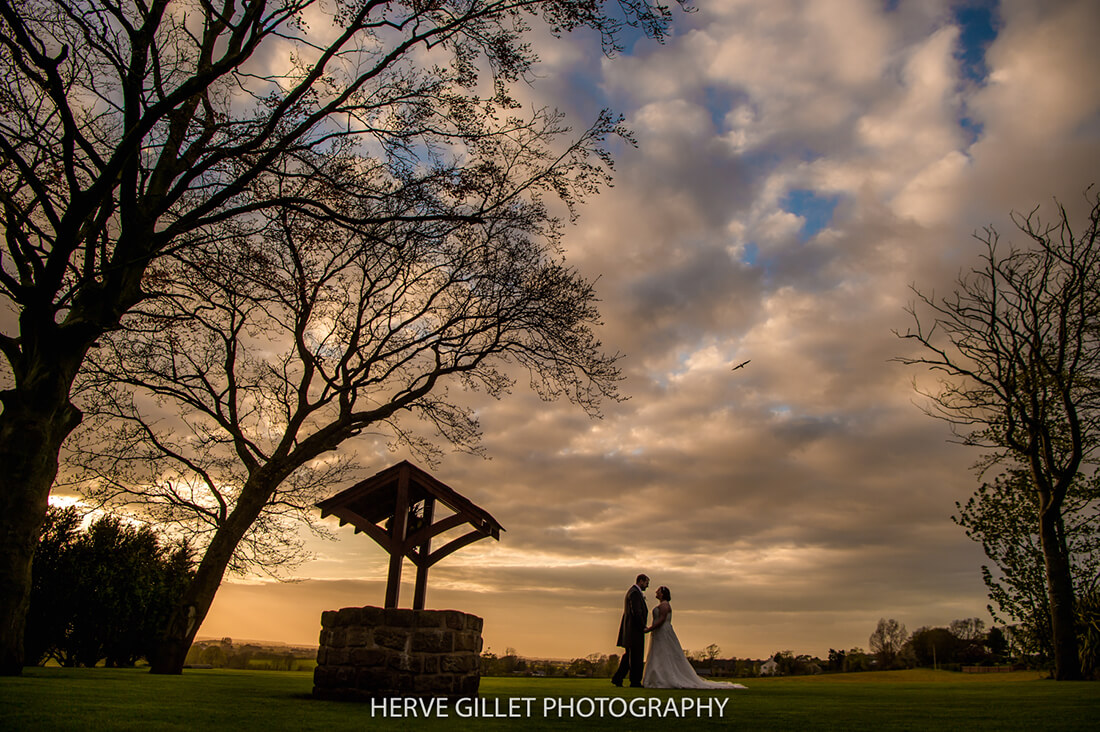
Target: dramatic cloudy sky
<point x="800" y="164"/>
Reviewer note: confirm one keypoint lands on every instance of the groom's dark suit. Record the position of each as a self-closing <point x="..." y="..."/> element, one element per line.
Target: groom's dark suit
<point x="632" y="637"/>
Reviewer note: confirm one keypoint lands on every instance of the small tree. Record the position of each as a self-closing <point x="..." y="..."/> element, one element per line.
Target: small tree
<point x="935" y="646"/>
<point x="887" y="641"/>
<point x="856" y="659"/>
<point x="1018" y="343"/>
<point x="611" y="664"/>
<point x="968" y="630"/>
<point x="214" y="656"/>
<point x="785" y="661"/>
<point x="996" y="642"/>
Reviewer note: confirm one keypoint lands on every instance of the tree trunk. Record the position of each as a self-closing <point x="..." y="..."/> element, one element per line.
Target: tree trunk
<point x="32" y="427"/>
<point x="1067" y="663"/>
<point x="187" y="617"/>
<point x="191" y="610"/>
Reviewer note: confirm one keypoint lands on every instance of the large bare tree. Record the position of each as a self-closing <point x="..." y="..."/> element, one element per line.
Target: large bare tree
<point x="1018" y="344"/>
<point x="132" y="129"/>
<point x="217" y="408"/>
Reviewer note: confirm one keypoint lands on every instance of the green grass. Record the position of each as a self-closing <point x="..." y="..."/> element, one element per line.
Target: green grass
<point x="113" y="699"/>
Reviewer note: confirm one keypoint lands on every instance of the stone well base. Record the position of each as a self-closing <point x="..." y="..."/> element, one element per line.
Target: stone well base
<point x="371" y="652"/>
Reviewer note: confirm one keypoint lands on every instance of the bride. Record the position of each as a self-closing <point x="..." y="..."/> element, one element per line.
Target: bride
<point x="666" y="667"/>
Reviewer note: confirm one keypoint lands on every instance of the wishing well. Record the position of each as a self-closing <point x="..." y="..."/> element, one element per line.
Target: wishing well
<point x="369" y="652"/>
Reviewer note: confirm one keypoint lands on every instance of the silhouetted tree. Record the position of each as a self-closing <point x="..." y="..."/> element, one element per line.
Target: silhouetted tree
<point x="968" y="630"/>
<point x="971" y="633"/>
<point x="54" y="578"/>
<point x="1004" y="517"/>
<point x="1018" y="343"/>
<point x="583" y="667"/>
<point x="996" y="642"/>
<point x="792" y="665"/>
<point x="102" y="594"/>
<point x="856" y="659"/>
<point x="887" y="641"/>
<point x="610" y="665"/>
<point x="935" y="647"/>
<point x="134" y="130"/>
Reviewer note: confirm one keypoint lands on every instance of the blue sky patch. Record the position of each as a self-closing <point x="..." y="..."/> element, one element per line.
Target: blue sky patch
<point x="750" y="253"/>
<point x="972" y="128"/>
<point x="815" y="209"/>
<point x="978" y="23"/>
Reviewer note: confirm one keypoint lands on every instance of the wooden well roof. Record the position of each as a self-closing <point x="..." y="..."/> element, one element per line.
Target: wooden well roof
<point x="396" y="508"/>
<point x="372" y="500"/>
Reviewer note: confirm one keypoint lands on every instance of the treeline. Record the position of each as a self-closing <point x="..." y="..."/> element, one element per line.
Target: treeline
<point x="594" y="665"/>
<point x="961" y="643"/>
<point x="598" y="665"/>
<point x="102" y="594"/>
<point x="224" y="653"/>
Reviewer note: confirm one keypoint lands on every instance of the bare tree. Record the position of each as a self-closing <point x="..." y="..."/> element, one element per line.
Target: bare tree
<point x="971" y="630"/>
<point x="1018" y="343"/>
<point x="887" y="641"/>
<point x="133" y="128"/>
<point x="275" y="347"/>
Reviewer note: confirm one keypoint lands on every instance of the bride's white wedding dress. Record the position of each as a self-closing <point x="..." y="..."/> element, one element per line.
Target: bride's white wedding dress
<point x="666" y="667"/>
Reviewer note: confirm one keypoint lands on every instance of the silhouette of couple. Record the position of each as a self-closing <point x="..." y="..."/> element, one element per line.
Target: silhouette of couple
<point x="666" y="667"/>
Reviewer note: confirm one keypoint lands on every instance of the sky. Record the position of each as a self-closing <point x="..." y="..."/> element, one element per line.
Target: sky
<point x="800" y="164"/>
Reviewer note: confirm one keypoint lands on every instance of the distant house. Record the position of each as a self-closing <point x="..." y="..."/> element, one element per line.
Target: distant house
<point x="769" y="668"/>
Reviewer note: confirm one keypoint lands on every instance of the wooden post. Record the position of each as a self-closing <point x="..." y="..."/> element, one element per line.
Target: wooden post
<point x="397" y="553"/>
<point x="421" y="591"/>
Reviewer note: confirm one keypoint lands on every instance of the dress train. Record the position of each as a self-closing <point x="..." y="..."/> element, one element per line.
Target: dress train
<point x="666" y="667"/>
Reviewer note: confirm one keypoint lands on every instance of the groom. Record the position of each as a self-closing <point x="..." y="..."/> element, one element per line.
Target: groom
<point x="632" y="633"/>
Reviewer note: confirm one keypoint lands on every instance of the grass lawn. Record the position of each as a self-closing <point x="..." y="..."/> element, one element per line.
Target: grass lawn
<point x="98" y="699"/>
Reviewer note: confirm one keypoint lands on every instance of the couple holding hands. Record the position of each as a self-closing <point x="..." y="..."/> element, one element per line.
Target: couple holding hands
<point x="666" y="667"/>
